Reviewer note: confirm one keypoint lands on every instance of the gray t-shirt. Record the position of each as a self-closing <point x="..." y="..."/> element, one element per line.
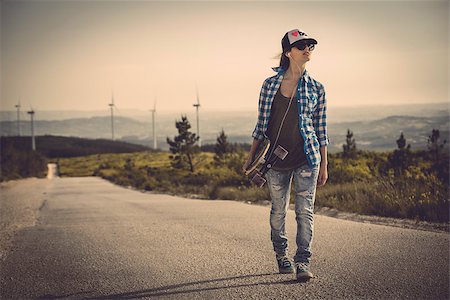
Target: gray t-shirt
<point x="290" y="137"/>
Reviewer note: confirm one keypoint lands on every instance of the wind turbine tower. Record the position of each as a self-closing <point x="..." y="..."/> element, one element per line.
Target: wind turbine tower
<point x="18" y="118"/>
<point x="111" y="105"/>
<point x="197" y="106"/>
<point x="153" y="111"/>
<point x="33" y="143"/>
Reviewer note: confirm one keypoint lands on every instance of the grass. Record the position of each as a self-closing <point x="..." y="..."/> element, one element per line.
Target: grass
<point x="355" y="187"/>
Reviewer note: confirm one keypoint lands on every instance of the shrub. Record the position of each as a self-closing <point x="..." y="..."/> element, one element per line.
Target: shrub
<point x="17" y="164"/>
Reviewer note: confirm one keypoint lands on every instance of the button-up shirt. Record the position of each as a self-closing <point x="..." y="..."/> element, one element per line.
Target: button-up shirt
<point x="311" y="106"/>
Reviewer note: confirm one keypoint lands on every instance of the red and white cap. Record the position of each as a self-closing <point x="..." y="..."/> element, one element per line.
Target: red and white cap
<point x="296" y="35"/>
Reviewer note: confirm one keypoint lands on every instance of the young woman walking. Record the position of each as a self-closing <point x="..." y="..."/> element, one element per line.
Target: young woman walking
<point x="292" y="114"/>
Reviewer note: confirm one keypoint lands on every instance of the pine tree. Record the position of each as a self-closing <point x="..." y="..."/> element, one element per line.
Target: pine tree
<point x="401" y="142"/>
<point x="439" y="156"/>
<point x="222" y="148"/>
<point x="401" y="158"/>
<point x="434" y="147"/>
<point x="350" y="146"/>
<point x="183" y="146"/>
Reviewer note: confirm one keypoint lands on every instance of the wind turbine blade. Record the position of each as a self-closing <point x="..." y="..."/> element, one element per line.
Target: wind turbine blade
<point x="118" y="111"/>
<point x="196" y="91"/>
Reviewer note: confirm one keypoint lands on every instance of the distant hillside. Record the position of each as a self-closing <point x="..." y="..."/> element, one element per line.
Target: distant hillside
<point x="382" y="134"/>
<point x="58" y="146"/>
<point x="379" y="134"/>
<point x="336" y="114"/>
<point x="94" y="127"/>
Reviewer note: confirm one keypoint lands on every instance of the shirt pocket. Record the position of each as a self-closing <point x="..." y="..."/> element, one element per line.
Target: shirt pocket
<point x="311" y="102"/>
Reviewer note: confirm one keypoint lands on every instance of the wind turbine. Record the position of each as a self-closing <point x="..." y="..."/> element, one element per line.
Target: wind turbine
<point x="18" y="118"/>
<point x="197" y="106"/>
<point x="153" y="111"/>
<point x="111" y="105"/>
<point x="33" y="143"/>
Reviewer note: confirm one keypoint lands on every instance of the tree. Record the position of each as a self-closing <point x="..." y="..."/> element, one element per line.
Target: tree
<point x="401" y="142"/>
<point x="438" y="156"/>
<point x="435" y="149"/>
<point x="350" y="146"/>
<point x="401" y="158"/>
<point x="222" y="148"/>
<point x="183" y="146"/>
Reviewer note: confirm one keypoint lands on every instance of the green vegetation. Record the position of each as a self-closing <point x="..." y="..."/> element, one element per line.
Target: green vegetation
<point x="20" y="163"/>
<point x="183" y="145"/>
<point x="222" y="149"/>
<point x="369" y="183"/>
<point x="402" y="183"/>
<point x="349" y="148"/>
<point x="60" y="146"/>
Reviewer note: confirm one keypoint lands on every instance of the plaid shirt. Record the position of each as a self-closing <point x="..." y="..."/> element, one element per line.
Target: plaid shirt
<point x="311" y="104"/>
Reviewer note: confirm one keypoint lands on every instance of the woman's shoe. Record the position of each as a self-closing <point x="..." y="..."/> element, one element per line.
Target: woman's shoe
<point x="303" y="272"/>
<point x="285" y="265"/>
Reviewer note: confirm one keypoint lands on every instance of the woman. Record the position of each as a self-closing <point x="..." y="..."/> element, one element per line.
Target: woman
<point x="292" y="114"/>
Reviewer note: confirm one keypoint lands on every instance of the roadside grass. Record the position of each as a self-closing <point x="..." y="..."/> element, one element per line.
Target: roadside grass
<point x="388" y="198"/>
<point x="353" y="187"/>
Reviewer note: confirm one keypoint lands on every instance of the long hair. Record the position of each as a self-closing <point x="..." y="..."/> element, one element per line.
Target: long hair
<point x="284" y="61"/>
<point x="286" y="47"/>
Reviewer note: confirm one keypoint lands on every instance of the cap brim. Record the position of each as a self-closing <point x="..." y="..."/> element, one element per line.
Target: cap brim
<point x="307" y="38"/>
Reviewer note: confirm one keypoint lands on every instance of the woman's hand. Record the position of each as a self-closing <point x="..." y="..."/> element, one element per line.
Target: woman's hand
<point x="251" y="154"/>
<point x="323" y="174"/>
<point x="247" y="163"/>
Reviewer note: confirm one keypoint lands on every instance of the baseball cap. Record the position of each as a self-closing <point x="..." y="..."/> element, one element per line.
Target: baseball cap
<point x="295" y="35"/>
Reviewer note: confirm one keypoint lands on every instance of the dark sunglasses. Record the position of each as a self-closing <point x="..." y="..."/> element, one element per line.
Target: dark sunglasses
<point x="302" y="45"/>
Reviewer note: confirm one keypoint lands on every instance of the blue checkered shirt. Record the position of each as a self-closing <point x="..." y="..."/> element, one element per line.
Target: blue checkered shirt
<point x="311" y="105"/>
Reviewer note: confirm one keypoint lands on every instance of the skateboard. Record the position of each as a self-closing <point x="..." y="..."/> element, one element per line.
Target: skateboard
<point x="263" y="161"/>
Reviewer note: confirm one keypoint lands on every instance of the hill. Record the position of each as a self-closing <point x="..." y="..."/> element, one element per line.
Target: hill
<point x="59" y="146"/>
<point x="379" y="135"/>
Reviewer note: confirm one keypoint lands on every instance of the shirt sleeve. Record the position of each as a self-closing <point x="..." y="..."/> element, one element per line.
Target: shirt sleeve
<point x="258" y="131"/>
<point x="320" y="119"/>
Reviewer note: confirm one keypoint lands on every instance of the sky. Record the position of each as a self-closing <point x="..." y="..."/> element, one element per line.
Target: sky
<point x="74" y="55"/>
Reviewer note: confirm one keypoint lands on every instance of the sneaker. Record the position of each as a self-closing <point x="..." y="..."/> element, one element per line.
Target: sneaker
<point x="285" y="265"/>
<point x="303" y="272"/>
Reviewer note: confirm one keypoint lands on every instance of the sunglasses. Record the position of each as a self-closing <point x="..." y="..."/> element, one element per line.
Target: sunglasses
<point x="302" y="46"/>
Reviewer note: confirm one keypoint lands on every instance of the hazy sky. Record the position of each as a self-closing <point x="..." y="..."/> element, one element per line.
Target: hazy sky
<point x="72" y="55"/>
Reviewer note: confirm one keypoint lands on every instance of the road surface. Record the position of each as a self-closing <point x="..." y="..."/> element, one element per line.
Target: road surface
<point x="85" y="238"/>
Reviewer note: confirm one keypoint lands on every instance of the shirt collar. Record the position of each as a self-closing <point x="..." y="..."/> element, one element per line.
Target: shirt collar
<point x="281" y="71"/>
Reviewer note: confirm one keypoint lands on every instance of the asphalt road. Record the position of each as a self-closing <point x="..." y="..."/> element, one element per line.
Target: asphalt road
<point x="93" y="240"/>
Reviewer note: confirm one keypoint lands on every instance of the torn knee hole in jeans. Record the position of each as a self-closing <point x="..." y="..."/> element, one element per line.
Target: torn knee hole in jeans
<point x="277" y="187"/>
<point x="305" y="193"/>
<point x="306" y="173"/>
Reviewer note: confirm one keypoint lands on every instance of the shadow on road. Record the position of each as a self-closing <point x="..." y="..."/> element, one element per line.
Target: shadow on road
<point x="61" y="296"/>
<point x="169" y="290"/>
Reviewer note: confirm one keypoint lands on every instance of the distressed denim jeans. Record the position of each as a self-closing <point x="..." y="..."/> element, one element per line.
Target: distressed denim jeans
<point x="305" y="183"/>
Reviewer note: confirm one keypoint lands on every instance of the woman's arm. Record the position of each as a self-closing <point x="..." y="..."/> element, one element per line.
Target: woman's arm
<point x="324" y="156"/>
<point x="258" y="134"/>
<point x="320" y="119"/>
<point x="320" y="126"/>
<point x="252" y="153"/>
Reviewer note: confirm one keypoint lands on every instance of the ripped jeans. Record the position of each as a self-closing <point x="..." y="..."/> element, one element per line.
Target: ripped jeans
<point x="305" y="183"/>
